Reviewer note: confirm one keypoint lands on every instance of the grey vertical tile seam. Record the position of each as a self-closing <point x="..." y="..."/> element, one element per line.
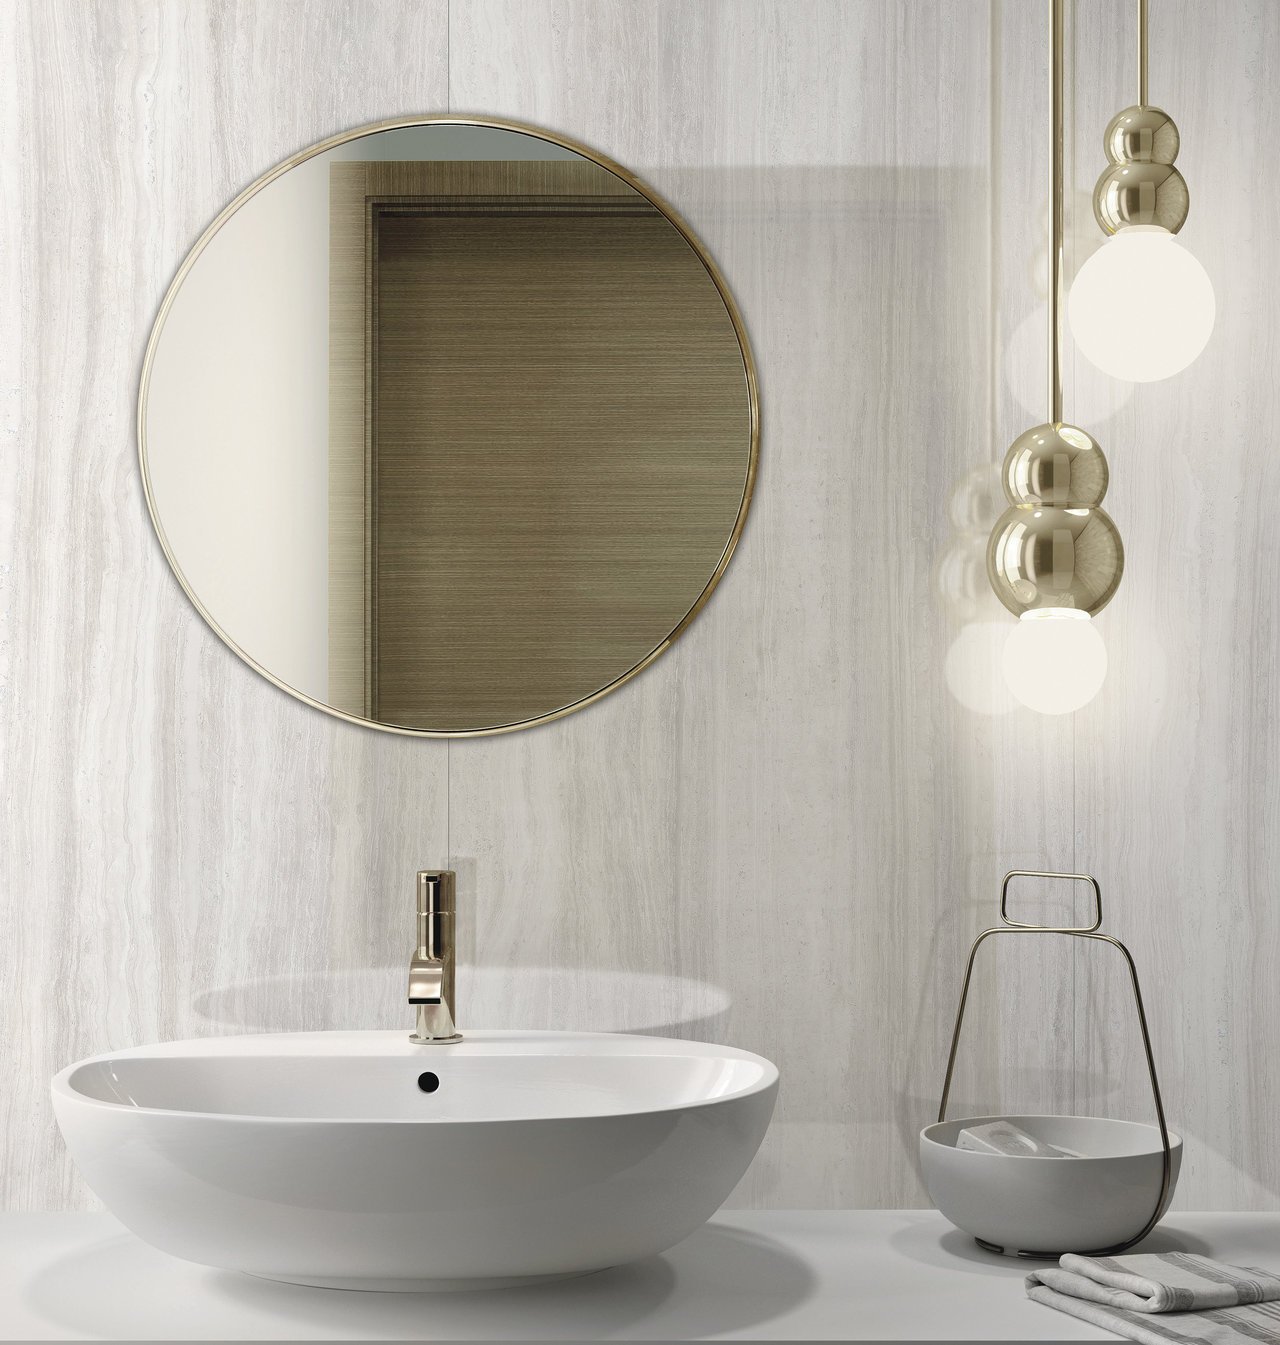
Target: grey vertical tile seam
<point x="448" y="744"/>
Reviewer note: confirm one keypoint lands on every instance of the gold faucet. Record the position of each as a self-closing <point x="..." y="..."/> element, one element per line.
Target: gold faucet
<point x="431" y="971"/>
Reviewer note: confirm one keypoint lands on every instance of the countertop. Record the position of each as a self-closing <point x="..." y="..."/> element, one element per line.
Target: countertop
<point x="748" y="1275"/>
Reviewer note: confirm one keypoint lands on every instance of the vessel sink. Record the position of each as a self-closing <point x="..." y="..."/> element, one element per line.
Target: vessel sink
<point x="359" y="1160"/>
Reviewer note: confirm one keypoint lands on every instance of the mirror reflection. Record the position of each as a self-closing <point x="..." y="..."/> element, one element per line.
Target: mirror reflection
<point x="448" y="427"/>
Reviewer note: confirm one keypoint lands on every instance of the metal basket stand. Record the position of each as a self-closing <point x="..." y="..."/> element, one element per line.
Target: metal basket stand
<point x="1008" y="926"/>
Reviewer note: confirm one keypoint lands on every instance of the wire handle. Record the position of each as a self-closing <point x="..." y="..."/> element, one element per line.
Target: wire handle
<point x="1051" y="929"/>
<point x="1008" y="926"/>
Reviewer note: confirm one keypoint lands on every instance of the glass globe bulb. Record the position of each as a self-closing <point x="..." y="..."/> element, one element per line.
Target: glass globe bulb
<point x="1054" y="660"/>
<point x="1141" y="307"/>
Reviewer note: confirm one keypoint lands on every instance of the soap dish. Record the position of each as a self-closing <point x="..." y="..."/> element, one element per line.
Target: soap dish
<point x="1019" y="1205"/>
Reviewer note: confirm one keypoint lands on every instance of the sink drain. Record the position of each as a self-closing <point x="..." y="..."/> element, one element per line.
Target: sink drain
<point x="428" y="1082"/>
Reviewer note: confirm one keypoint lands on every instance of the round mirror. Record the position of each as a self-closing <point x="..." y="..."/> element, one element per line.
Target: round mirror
<point x="448" y="426"/>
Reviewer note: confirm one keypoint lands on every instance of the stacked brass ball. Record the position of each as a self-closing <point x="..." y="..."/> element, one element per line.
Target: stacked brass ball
<point x="1055" y="547"/>
<point x="1141" y="187"/>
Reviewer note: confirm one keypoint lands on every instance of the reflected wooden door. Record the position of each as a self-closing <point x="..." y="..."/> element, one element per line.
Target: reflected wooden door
<point x="557" y="449"/>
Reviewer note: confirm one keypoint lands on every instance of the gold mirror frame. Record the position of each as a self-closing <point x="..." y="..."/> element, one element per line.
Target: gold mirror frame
<point x="520" y="128"/>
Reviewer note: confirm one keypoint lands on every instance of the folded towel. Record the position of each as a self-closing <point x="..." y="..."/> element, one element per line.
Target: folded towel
<point x="1003" y="1137"/>
<point x="1168" y="1296"/>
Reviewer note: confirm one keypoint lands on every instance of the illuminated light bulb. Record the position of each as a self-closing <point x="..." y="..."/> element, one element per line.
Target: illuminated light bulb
<point x="1142" y="307"/>
<point x="1054" y="660"/>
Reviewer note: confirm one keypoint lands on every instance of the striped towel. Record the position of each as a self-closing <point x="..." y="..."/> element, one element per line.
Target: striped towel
<point x="1169" y="1296"/>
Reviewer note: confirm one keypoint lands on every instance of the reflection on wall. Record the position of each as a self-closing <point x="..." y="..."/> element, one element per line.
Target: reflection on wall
<point x="973" y="668"/>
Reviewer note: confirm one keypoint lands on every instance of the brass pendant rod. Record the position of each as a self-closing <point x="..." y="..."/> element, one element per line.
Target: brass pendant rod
<point x="1055" y="216"/>
<point x="1142" y="53"/>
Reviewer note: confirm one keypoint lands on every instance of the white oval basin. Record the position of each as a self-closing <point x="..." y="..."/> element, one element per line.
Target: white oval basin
<point x="319" y="1157"/>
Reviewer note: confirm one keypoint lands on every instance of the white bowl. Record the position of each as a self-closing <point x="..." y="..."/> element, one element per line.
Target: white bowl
<point x="320" y="1157"/>
<point x="1048" y="1206"/>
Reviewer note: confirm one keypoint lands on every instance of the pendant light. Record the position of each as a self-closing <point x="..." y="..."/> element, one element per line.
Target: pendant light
<point x="1055" y="557"/>
<point x="1142" y="307"/>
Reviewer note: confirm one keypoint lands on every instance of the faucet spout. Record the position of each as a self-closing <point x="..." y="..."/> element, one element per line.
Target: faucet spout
<point x="431" y="968"/>
<point x="426" y="980"/>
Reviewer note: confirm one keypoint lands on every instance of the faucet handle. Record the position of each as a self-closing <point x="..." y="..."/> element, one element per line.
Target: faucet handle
<point x="436" y="891"/>
<point x="435" y="911"/>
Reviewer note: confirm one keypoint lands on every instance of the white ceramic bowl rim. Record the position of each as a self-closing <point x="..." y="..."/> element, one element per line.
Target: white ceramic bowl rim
<point x="1175" y="1141"/>
<point x="288" y="1044"/>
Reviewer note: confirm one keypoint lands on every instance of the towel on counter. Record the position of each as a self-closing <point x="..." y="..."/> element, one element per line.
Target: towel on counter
<point x="1165" y="1297"/>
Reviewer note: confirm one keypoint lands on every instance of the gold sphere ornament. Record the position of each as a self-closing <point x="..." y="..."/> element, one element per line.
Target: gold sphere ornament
<point x="1141" y="193"/>
<point x="1141" y="135"/>
<point x="1141" y="186"/>
<point x="1054" y="548"/>
<point x="1046" y="556"/>
<point x="1055" y="464"/>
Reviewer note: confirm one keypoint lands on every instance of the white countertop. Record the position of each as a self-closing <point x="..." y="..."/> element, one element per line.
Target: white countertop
<point x="748" y="1275"/>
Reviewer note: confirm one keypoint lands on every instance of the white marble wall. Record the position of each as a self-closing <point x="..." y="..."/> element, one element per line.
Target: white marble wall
<point x="785" y="833"/>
